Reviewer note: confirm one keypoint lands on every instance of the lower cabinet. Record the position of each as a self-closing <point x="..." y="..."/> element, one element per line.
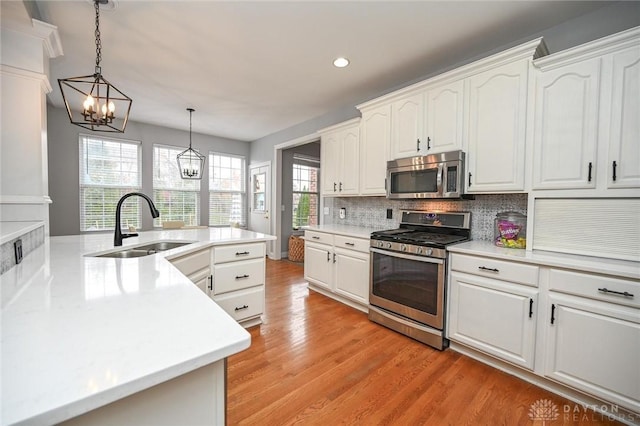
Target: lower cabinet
<point x="338" y="267"/>
<point x="197" y="267"/>
<point x="495" y="317"/>
<point x="238" y="281"/>
<point x="588" y="324"/>
<point x="594" y="344"/>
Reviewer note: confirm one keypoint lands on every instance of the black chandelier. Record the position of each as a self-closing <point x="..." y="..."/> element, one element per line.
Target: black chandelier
<point x="99" y="99"/>
<point x="190" y="161"/>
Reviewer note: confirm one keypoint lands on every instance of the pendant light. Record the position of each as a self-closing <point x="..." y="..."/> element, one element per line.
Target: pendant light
<point x="190" y="161"/>
<point x="101" y="102"/>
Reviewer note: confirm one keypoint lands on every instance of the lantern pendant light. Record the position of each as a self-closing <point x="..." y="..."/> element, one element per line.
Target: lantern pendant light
<point x="190" y="161"/>
<point x="101" y="102"/>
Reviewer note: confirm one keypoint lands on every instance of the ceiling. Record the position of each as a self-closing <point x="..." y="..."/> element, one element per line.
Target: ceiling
<point x="252" y="68"/>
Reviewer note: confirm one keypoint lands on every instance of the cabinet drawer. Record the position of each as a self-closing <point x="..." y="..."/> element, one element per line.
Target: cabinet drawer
<point x="498" y="269"/>
<point x="238" y="252"/>
<point x="238" y="275"/>
<point x="242" y="304"/>
<point x="593" y="286"/>
<point x="359" y="244"/>
<point x="318" y="237"/>
<point x="193" y="262"/>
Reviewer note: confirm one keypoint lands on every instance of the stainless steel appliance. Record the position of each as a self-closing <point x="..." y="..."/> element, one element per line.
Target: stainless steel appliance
<point x="408" y="273"/>
<point x="430" y="176"/>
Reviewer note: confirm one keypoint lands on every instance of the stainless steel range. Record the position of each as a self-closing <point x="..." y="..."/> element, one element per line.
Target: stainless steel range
<point x="408" y="273"/>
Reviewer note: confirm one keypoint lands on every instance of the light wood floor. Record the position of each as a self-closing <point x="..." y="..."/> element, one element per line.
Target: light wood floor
<point x="315" y="361"/>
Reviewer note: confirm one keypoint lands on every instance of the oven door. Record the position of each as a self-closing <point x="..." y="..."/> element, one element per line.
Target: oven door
<point x="407" y="285"/>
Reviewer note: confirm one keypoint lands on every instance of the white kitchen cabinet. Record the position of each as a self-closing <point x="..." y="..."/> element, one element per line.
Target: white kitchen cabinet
<point x="375" y="144"/>
<point x="340" y="159"/>
<point x="238" y="281"/>
<point x="593" y="346"/>
<point x="407" y="125"/>
<point x="624" y="134"/>
<point x="338" y="267"/>
<point x="444" y="107"/>
<point x="566" y="126"/>
<point x="490" y="314"/>
<point x="197" y="267"/>
<point x="585" y="122"/>
<point x="317" y="264"/>
<point x="497" y="128"/>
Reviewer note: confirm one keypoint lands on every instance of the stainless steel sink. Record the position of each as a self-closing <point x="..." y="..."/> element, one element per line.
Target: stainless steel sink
<point x="143" y="250"/>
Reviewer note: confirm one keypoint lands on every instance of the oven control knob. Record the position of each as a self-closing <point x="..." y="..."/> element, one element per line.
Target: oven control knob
<point x="380" y="243"/>
<point x="428" y="252"/>
<point x="403" y="247"/>
<point x="389" y="245"/>
<point x="419" y="251"/>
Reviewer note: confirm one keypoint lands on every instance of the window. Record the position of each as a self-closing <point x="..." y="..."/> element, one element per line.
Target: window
<point x="175" y="198"/>
<point x="305" y="195"/>
<point x="227" y="193"/>
<point x="109" y="168"/>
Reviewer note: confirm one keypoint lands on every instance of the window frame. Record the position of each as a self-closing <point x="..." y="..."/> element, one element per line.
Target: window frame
<point x="83" y="173"/>
<point x="243" y="193"/>
<point x="157" y="223"/>
<point x="294" y="192"/>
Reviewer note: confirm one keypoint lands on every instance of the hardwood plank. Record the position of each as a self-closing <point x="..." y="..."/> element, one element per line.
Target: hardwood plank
<point x="315" y="361"/>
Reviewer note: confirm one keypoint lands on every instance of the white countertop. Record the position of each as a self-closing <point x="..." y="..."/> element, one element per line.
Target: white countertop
<point x="347" y="230"/>
<point x="621" y="268"/>
<point x="12" y="230"/>
<point x="80" y="332"/>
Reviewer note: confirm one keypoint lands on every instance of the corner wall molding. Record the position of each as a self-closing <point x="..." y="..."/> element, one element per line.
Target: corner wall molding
<point x="29" y="75"/>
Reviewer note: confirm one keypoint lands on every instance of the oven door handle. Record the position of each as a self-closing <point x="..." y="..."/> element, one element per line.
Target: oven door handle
<point x="407" y="256"/>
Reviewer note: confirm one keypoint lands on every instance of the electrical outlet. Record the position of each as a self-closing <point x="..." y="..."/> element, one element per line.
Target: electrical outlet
<point x="343" y="213"/>
<point x="325" y="211"/>
<point x="389" y="213"/>
<point x="17" y="249"/>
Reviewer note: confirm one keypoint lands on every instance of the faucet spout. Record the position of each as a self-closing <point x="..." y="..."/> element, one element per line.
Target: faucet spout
<point x="118" y="236"/>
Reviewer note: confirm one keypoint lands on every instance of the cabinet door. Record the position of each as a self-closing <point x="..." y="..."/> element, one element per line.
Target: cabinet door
<point x="624" y="136"/>
<point x="594" y="346"/>
<point x="330" y="162"/>
<point x="318" y="264"/>
<point x="497" y="120"/>
<point x="566" y="126"/>
<point x="444" y="117"/>
<point x="406" y="127"/>
<point x="352" y="275"/>
<point x="348" y="175"/>
<point x="494" y="317"/>
<point x="374" y="150"/>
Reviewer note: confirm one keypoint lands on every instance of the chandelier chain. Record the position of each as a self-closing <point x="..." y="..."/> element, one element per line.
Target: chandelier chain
<point x="98" y="42"/>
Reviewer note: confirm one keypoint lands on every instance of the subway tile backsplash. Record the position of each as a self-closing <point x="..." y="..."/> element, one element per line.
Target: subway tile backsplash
<point x="372" y="211"/>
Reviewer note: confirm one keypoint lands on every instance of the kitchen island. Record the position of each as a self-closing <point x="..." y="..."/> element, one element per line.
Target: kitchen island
<point x="84" y="334"/>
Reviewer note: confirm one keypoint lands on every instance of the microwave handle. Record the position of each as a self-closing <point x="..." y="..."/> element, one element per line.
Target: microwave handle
<point x="441" y="179"/>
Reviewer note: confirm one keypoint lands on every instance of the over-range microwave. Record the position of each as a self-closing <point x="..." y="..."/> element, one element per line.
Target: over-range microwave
<point x="430" y="176"/>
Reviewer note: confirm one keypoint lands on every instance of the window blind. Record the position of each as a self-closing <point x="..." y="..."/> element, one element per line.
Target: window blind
<point x="305" y="195"/>
<point x="227" y="190"/>
<point x="109" y="168"/>
<point x="175" y="198"/>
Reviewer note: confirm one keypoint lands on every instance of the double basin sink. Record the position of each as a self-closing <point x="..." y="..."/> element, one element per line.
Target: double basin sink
<point x="143" y="250"/>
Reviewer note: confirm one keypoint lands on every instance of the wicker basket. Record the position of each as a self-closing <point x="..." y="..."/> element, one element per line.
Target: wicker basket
<point x="296" y="249"/>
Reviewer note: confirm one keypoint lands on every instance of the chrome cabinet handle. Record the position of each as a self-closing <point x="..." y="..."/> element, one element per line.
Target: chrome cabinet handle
<point x="621" y="293"/>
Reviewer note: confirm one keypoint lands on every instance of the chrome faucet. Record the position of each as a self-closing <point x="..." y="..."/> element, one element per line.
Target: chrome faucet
<point x="118" y="236"/>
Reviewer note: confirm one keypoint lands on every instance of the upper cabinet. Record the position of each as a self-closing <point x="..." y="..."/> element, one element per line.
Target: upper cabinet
<point x="406" y="126"/>
<point x="339" y="156"/>
<point x="586" y="126"/>
<point x="497" y="128"/>
<point x="444" y="113"/>
<point x="428" y="120"/>
<point x="375" y="132"/>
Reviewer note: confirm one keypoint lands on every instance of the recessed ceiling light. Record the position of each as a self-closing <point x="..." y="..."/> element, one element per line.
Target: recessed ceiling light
<point x="341" y="62"/>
